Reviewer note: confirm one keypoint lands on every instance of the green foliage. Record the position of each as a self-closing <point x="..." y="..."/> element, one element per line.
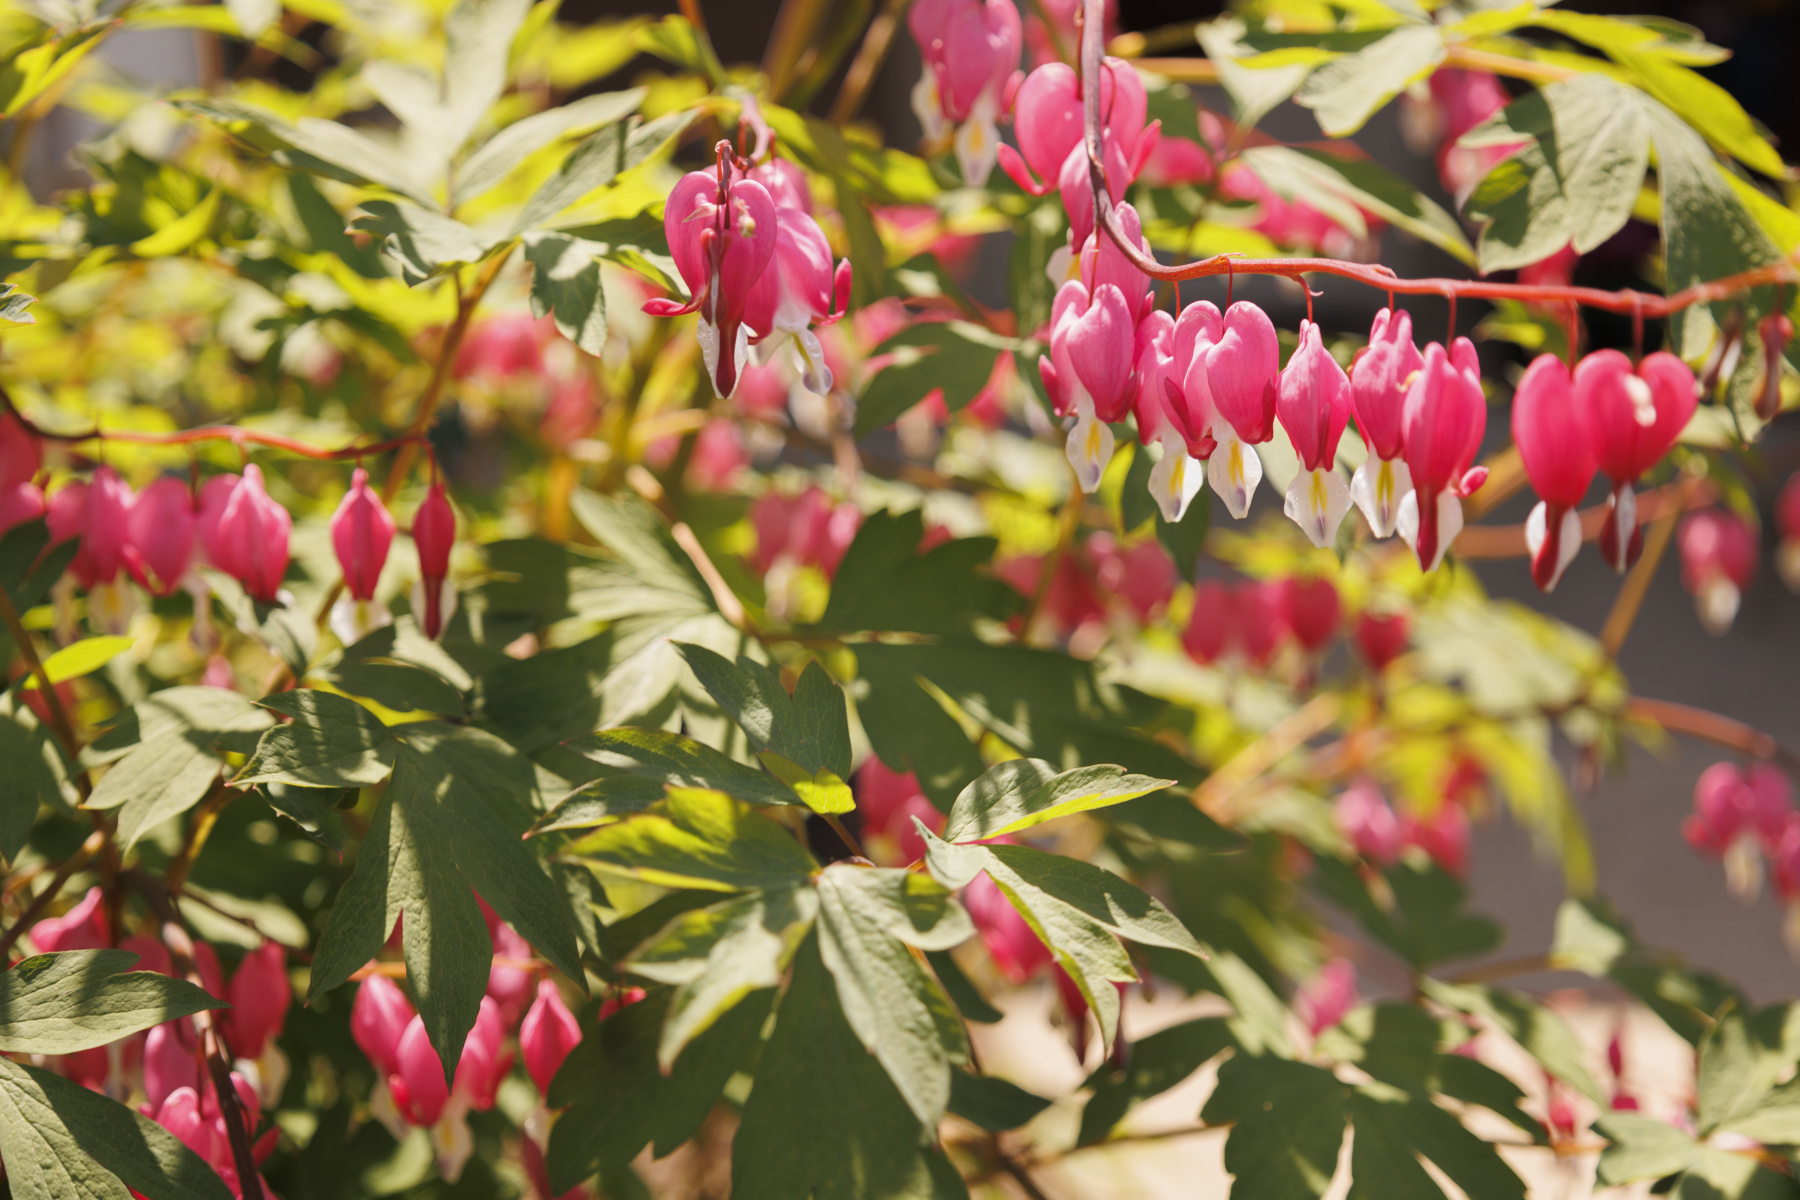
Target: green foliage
<point x="62" y="1003"/>
<point x="1016" y="795"/>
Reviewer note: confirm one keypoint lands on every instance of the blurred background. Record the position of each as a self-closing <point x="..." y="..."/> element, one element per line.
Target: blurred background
<point x="1751" y="673"/>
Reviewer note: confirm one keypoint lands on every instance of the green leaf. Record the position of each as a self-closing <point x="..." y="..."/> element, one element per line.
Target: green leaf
<point x="1393" y="1131"/>
<point x="1023" y="792"/>
<point x="619" y="1100"/>
<point x="1395" y="1043"/>
<point x="565" y="285"/>
<point x="313" y="810"/>
<point x="1641" y="1148"/>
<point x="681" y="762"/>
<point x="598" y="159"/>
<point x="29" y="565"/>
<point x="1741" y="1057"/>
<point x="81" y="658"/>
<point x="1346" y="92"/>
<point x="823" y="1119"/>
<point x="1587" y="938"/>
<point x="810" y="728"/>
<point x="15" y="306"/>
<point x="1260" y="1023"/>
<point x="636" y="243"/>
<point x="27" y="781"/>
<point x="954" y="356"/>
<point x="1289" y="1125"/>
<point x="885" y="583"/>
<point x="599" y="801"/>
<point x="433" y="837"/>
<point x="1428" y="922"/>
<point x="478" y="36"/>
<point x="867" y="920"/>
<point x="160" y="779"/>
<point x="313" y="145"/>
<point x="1463" y="1078"/>
<point x="1543" y="1034"/>
<point x="499" y="155"/>
<point x="79" y="999"/>
<point x="330" y="742"/>
<point x="1300" y="172"/>
<point x="553" y="696"/>
<point x="1079" y="910"/>
<point x="423" y="244"/>
<point x="62" y="1142"/>
<point x="1588" y="145"/>
<point x="1592" y="937"/>
<point x="1158" y="1062"/>
<point x="715" y="956"/>
<point x="964" y="994"/>
<point x="230" y="719"/>
<point x="401" y="686"/>
<point x="992" y="1103"/>
<point x="1255" y="91"/>
<point x="698" y="838"/>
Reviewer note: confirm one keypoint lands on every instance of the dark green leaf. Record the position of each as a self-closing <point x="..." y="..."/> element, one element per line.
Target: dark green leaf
<point x="63" y="1142"/>
<point x="952" y="355"/>
<point x="1297" y="172"/>
<point x="26" y="783"/>
<point x="550" y="697"/>
<point x="810" y="728"/>
<point x="884" y="583"/>
<point x="1395" y="1043"/>
<point x="1463" y="1078"/>
<point x="1023" y="792"/>
<point x="1543" y="1034"/>
<point x="157" y="780"/>
<point x="823" y="1120"/>
<point x="600" y="801"/>
<point x="1428" y="923"/>
<point x="992" y="1103"/>
<point x="967" y="998"/>
<point x="698" y="838"/>
<point x="400" y="686"/>
<point x="681" y="762"/>
<point x="29" y="565"/>
<point x="313" y="810"/>
<point x="331" y="742"/>
<point x="1289" y="1125"/>
<point x="79" y="999"/>
<point x="1741" y="1057"/>
<point x="1158" y="1063"/>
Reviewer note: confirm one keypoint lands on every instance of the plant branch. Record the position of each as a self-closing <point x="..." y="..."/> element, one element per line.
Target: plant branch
<point x="1637" y="584"/>
<point x="1287" y="735"/>
<point x="1508" y="541"/>
<point x="1711" y="727"/>
<point x="730" y="607"/>
<point x="199" y="830"/>
<point x="43" y="899"/>
<point x="869" y="57"/>
<point x="59" y="716"/>
<point x="1506" y="968"/>
<point x="1066" y="525"/>
<point x="849" y="839"/>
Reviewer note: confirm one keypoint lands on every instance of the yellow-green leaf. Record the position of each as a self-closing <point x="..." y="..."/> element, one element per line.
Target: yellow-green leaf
<point x="180" y="234"/>
<point x="89" y="654"/>
<point x="823" y="792"/>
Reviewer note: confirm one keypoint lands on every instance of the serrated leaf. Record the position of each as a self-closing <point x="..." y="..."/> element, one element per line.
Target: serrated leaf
<point x="79" y="999"/>
<point x="1395" y="1043"/>
<point x="313" y="145"/>
<point x="823" y="1119"/>
<point x="867" y="920"/>
<point x="885" y="583"/>
<point x="1587" y="147"/>
<point x="231" y="718"/>
<point x="599" y="159"/>
<point x="15" y="306"/>
<point x="1472" y="1082"/>
<point x="1741" y="1057"/>
<point x="1345" y="92"/>
<point x="26" y="783"/>
<point x="500" y="154"/>
<point x="61" y="1141"/>
<point x="1428" y="922"/>
<point x="681" y="762"/>
<point x="330" y="742"/>
<point x="1641" y="1148"/>
<point x="1392" y="1132"/>
<point x="1023" y="792"/>
<point x="400" y="686"/>
<point x="159" y="779"/>
<point x="423" y="244"/>
<point x="715" y="956"/>
<point x="1289" y="1125"/>
<point x="1158" y="1063"/>
<point x="478" y="36"/>
<point x="821" y="791"/>
<point x="565" y="286"/>
<point x="698" y="838"/>
<point x="811" y="728"/>
<point x="619" y="1101"/>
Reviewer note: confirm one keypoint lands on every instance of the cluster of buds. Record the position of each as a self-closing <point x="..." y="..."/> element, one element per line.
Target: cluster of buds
<point x="1250" y="623"/>
<point x="970" y="50"/>
<point x="1606" y="417"/>
<point x="1370" y="826"/>
<point x="1741" y="816"/>
<point x="756" y="265"/>
<point x="1718" y="562"/>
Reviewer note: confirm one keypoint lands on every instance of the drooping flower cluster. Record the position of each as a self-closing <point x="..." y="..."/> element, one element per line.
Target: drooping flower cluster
<point x="795" y="532"/>
<point x="1608" y="417"/>
<point x="1101" y="584"/>
<point x="1249" y="623"/>
<point x="1718" y="562"/>
<point x="1742" y="816"/>
<point x="970" y="49"/>
<point x="756" y="265"/>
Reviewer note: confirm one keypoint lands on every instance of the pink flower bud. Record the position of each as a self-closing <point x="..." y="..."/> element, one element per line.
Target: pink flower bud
<point x="1322" y="1001"/>
<point x="378" y="1019"/>
<point x="970" y="49"/>
<point x="434" y="533"/>
<point x="508" y="986"/>
<point x="806" y="530"/>
<point x="1633" y="418"/>
<point x="1381" y="637"/>
<point x="622" y="998"/>
<point x="259" y="994"/>
<point x="1368" y="823"/>
<point x="547" y="1036"/>
<point x="571" y="414"/>
<point x="1313" y="404"/>
<point x="1075" y="186"/>
<point x="1771" y="803"/>
<point x="800" y="289"/>
<point x="417" y="1082"/>
<point x="1143" y="574"/>
<point x="171" y="1061"/>
<point x="1718" y="561"/>
<point x="1553" y="441"/>
<point x="1262" y="619"/>
<point x="1101" y="345"/>
<point x="1177" y="161"/>
<point x="1212" y="625"/>
<point x="21" y="458"/>
<point x="483" y="1066"/>
<point x="1314" y="611"/>
<point x="99" y="513"/>
<point x="1444" y="419"/>
<point x="881" y="793"/>
<point x="1784" y="860"/>
<point x="1379" y="378"/>
<point x="1176" y="478"/>
<point x="1102" y="262"/>
<point x="20" y="504"/>
<point x="152" y="954"/>
<point x="1009" y="938"/>
<point x="244" y="532"/>
<point x="161" y="532"/>
<point x="722" y="232"/>
<point x="362" y="530"/>
<point x="1240" y="373"/>
<point x="1723" y="804"/>
<point x="504" y="347"/>
<point x="1444" y="836"/>
<point x="81" y="928"/>
<point x="1047" y="121"/>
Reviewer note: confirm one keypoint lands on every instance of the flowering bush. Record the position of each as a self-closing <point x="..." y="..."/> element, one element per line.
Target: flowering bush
<point x="575" y="589"/>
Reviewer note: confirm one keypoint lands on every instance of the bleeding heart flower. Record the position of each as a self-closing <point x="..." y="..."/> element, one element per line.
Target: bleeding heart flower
<point x="1772" y="333"/>
<point x="259" y="994"/>
<point x="503" y="348"/>
<point x="161" y="535"/>
<point x="1240" y="373"/>
<point x="1323" y="1000"/>
<point x="362" y="531"/>
<point x="1444" y="419"/>
<point x="1176" y="478"/>
<point x="722" y="230"/>
<point x="1088" y="373"/>
<point x="1381" y="637"/>
<point x="1263" y="620"/>
<point x="1212" y="625"/>
<point x="21" y="458"/>
<point x="1314" y="611"/>
<point x="1368" y="823"/>
<point x="799" y="290"/>
<point x="1633" y="418"/>
<point x="378" y="1019"/>
<point x="1553" y="441"/>
<point x="1379" y="378"/>
<point x="970" y="49"/>
<point x="1444" y="836"/>
<point x="1143" y="574"/>
<point x="1102" y="262"/>
<point x="244" y="532"/>
<point x="1313" y="404"/>
<point x="81" y="928"/>
<point x="1185" y="399"/>
<point x="1048" y="121"/>
<point x="434" y="534"/>
<point x="20" y="504"/>
<point x="719" y="456"/>
<point x="1015" y="946"/>
<point x="547" y="1035"/>
<point x="1718" y="561"/>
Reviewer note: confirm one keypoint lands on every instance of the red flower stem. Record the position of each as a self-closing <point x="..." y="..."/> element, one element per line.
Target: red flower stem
<point x="1375" y="276"/>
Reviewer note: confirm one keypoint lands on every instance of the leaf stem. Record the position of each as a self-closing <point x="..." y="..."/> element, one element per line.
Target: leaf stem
<point x="848" y="838"/>
<point x="205" y="817"/>
<point x="59" y="716"/>
<point x="868" y="60"/>
<point x="730" y="607"/>
<point x="1712" y="727"/>
<point x="1529" y="964"/>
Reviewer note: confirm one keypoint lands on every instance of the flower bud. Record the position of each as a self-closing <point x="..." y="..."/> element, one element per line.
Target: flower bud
<point x="83" y="927"/>
<point x="1773" y="332"/>
<point x="1323" y="1000"/>
<point x="1313" y="404"/>
<point x="1718" y="561"/>
<point x="20" y="504"/>
<point x="361" y="533"/>
<point x="161" y="527"/>
<point x="1379" y="378"/>
<point x="171" y="1061"/>
<point x="547" y="1036"/>
<point x="434" y="533"/>
<point x="1633" y="418"/>
<point x="259" y="994"/>
<point x="1186" y="401"/>
<point x="1212" y="625"/>
<point x="502" y="348"/>
<point x="378" y="1018"/>
<point x="1314" y="611"/>
<point x="1143" y="574"/>
<point x="970" y="49"/>
<point x="1554" y="443"/>
<point x="1444" y="419"/>
<point x="21" y="458"/>
<point x="1263" y="623"/>
<point x="244" y="532"/>
<point x="1368" y="823"/>
<point x="1240" y="373"/>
